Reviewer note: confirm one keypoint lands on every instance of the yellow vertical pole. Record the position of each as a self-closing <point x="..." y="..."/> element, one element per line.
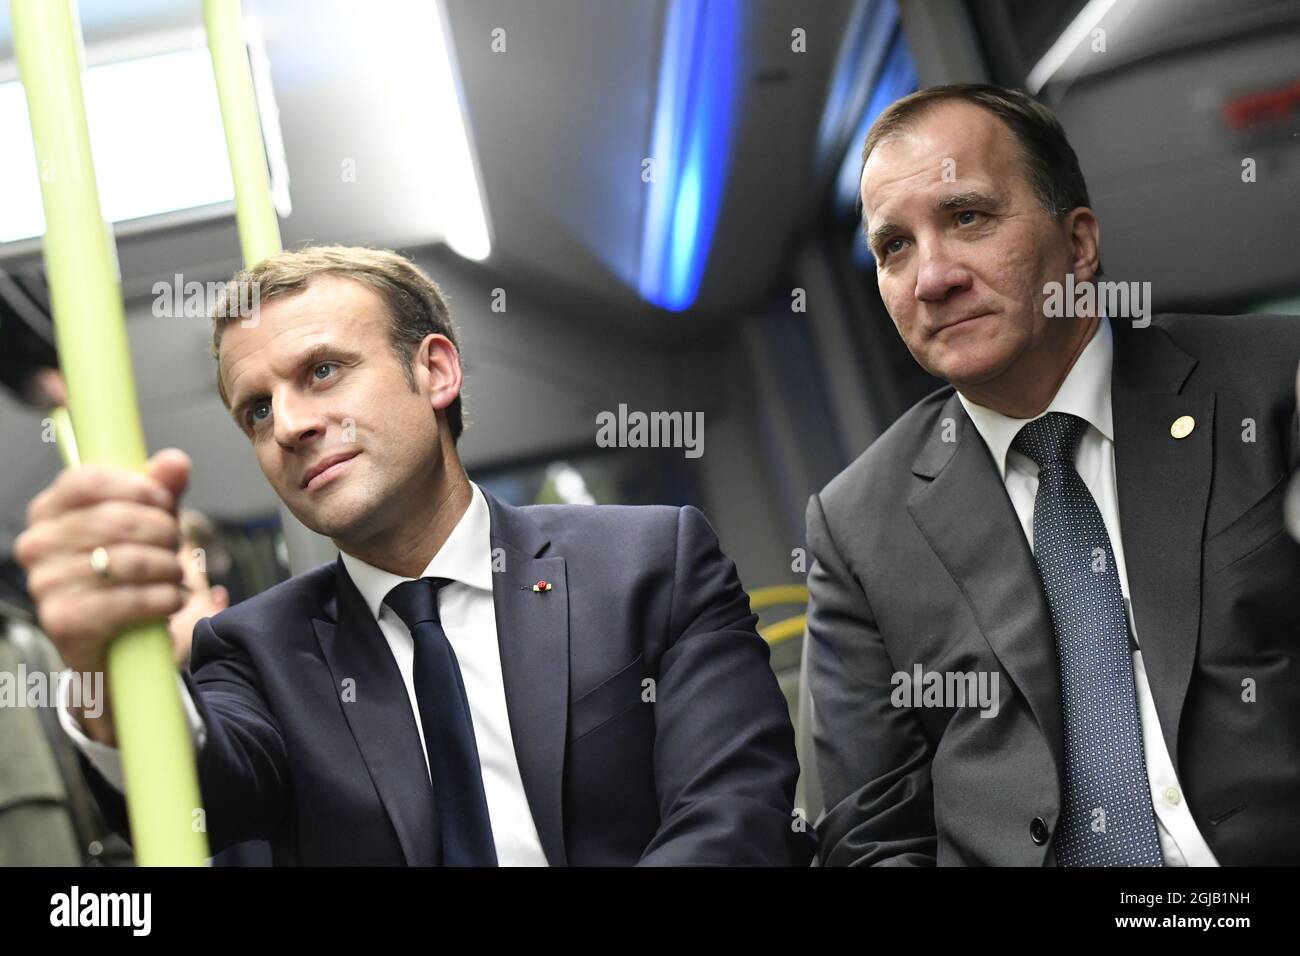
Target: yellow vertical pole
<point x="162" y="787"/>
<point x="259" y="229"/>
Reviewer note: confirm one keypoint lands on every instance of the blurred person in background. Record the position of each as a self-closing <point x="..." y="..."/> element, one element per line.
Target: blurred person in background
<point x="48" y="816"/>
<point x="199" y="546"/>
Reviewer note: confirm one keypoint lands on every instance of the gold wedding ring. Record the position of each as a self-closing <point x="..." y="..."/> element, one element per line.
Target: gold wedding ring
<point x="99" y="563"/>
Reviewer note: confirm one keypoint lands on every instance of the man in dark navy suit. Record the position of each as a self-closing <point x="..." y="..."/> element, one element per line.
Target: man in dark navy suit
<point x="470" y="683"/>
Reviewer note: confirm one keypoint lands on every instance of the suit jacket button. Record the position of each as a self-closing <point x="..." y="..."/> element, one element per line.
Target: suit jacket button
<point x="1038" y="830"/>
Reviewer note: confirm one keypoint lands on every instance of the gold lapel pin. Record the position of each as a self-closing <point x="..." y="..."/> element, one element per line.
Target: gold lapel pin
<point x="542" y="586"/>
<point x="1182" y="426"/>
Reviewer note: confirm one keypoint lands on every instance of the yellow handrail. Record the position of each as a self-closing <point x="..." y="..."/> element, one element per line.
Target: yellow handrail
<point x="778" y="594"/>
<point x="784" y="630"/>
<point x="162" y="788"/>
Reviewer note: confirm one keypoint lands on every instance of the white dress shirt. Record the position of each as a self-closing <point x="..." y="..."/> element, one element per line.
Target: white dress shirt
<point x="1086" y="394"/>
<point x="469" y="619"/>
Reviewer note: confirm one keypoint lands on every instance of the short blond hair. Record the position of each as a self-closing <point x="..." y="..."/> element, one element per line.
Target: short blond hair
<point x="415" y="304"/>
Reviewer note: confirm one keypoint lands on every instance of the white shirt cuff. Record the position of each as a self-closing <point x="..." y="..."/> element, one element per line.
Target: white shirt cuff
<point x="106" y="759"/>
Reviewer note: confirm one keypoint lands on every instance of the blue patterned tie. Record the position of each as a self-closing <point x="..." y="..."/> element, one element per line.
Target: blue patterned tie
<point x="1106" y="814"/>
<point x="448" y="728"/>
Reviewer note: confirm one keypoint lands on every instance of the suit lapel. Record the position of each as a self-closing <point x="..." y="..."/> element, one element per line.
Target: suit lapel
<point x="381" y="720"/>
<point x="533" y="635"/>
<point x="1163" y="485"/>
<point x="967" y="518"/>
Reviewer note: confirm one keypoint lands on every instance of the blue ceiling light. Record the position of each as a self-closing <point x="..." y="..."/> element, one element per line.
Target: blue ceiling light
<point x="897" y="79"/>
<point x="863" y="49"/>
<point x="894" y="79"/>
<point x="690" y="144"/>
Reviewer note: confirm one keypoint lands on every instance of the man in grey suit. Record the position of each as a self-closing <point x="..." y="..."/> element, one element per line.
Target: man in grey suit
<point x="1054" y="616"/>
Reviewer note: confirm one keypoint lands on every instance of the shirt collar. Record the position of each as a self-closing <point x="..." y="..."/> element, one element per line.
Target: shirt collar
<point x="1085" y="393"/>
<point x="465" y="557"/>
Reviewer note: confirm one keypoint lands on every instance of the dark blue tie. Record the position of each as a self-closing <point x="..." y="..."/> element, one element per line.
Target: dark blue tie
<point x="448" y="728"/>
<point x="1106" y="814"/>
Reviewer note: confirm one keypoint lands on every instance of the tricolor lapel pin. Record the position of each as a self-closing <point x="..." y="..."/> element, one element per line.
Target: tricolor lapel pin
<point x="542" y="586"/>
